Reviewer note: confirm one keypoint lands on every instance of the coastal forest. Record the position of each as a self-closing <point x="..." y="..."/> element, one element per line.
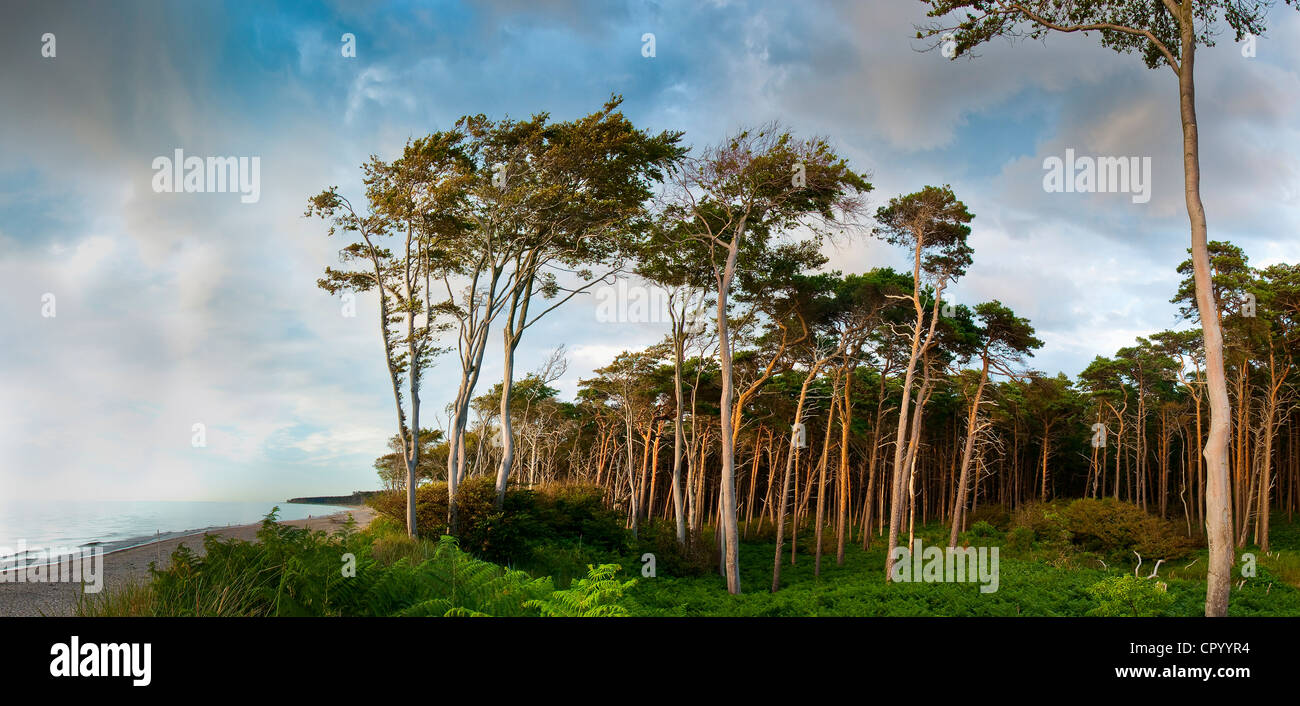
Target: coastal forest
<point x="801" y="430"/>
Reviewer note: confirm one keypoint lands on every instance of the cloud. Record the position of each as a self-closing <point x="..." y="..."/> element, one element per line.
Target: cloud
<point x="176" y="309"/>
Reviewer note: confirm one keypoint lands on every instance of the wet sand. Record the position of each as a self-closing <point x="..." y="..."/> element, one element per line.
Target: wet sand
<point x="132" y="565"/>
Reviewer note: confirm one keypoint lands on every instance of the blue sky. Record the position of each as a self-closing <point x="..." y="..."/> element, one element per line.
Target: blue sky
<point x="176" y="309"/>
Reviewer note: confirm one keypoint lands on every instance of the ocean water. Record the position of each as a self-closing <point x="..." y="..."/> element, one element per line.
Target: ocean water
<point x="57" y="526"/>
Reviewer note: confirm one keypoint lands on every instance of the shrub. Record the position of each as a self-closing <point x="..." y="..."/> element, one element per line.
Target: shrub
<point x="1117" y="529"/>
<point x="995" y="515"/>
<point x="1043" y="519"/>
<point x="696" y="558"/>
<point x="1111" y="529"/>
<point x="1128" y="595"/>
<point x="982" y="530"/>
<point x="527" y="518"/>
<point x="1020" y="539"/>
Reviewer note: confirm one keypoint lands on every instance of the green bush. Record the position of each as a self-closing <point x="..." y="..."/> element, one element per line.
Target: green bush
<point x="995" y="515"/>
<point x="1043" y="519"/>
<point x="1128" y="595"/>
<point x="982" y="530"/>
<point x="1106" y="527"/>
<point x="1020" y="540"/>
<point x="527" y="518"/>
<point x="699" y="556"/>
<point x="1117" y="529"/>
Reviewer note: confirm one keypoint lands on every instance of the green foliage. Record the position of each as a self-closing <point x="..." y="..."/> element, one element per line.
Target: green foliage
<point x="596" y="596"/>
<point x="995" y="515"/>
<point x="1111" y="529"/>
<point x="289" y="571"/>
<point x="397" y="575"/>
<point x="1128" y="595"/>
<point x="1019" y="540"/>
<point x="698" y="556"/>
<point x="294" y="572"/>
<point x="528" y="518"/>
<point x="452" y="584"/>
<point x="1043" y="519"/>
<point x="983" y="530"/>
<point x="1118" y="529"/>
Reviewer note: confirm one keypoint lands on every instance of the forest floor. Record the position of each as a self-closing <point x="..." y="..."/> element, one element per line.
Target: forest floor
<point x="1040" y="580"/>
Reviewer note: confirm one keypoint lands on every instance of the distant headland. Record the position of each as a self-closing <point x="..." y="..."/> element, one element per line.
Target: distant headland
<point x="357" y="498"/>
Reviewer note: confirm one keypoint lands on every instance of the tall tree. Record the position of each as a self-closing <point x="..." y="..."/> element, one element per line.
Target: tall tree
<point x="931" y="223"/>
<point x="1004" y="340"/>
<point x="581" y="187"/>
<point x="1166" y="34"/>
<point x="758" y="182"/>
<point x="403" y="205"/>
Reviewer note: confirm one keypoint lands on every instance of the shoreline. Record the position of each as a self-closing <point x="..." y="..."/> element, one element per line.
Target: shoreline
<point x="130" y="564"/>
<point x="116" y="545"/>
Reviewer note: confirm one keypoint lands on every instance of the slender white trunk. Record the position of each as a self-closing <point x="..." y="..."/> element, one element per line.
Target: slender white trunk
<point x="1218" y="505"/>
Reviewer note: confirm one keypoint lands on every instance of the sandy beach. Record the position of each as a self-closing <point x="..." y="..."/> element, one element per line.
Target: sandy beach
<point x="132" y="565"/>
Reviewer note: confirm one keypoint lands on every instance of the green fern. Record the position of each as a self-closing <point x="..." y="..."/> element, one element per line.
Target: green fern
<point x="596" y="596"/>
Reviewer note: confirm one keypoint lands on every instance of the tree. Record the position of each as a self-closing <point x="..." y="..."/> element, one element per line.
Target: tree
<point x="580" y="192"/>
<point x="680" y="264"/>
<point x="1004" y="340"/>
<point x="1166" y="33"/>
<point x="392" y="466"/>
<point x="931" y="223"/>
<point x="402" y="202"/>
<point x="758" y="182"/>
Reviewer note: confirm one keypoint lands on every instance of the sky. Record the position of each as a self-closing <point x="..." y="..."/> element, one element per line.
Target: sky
<point x="176" y="309"/>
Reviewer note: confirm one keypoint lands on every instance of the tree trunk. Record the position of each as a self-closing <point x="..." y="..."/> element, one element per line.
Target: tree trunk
<point x="1218" y="515"/>
<point x="959" y="502"/>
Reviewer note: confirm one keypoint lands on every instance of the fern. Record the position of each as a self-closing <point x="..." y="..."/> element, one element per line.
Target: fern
<point x="296" y="572"/>
<point x="596" y="596"/>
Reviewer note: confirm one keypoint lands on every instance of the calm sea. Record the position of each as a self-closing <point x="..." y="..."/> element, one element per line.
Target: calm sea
<point x="55" y="525"/>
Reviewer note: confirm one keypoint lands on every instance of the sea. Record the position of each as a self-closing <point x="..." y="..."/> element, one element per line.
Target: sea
<point x="37" y="531"/>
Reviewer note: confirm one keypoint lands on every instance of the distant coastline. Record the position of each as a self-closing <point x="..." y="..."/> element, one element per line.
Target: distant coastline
<point x="356" y="499"/>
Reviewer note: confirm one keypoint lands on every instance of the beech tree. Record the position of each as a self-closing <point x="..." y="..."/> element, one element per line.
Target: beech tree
<point x="580" y="193"/>
<point x="404" y="200"/>
<point x="759" y="181"/>
<point x="1166" y="34"/>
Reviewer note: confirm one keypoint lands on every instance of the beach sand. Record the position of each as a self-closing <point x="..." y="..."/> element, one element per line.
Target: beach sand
<point x="132" y="565"/>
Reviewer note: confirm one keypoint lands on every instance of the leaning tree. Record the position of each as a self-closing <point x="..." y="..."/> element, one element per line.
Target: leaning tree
<point x="1165" y="33"/>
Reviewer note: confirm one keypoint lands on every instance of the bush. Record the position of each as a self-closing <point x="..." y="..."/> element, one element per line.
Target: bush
<point x="1111" y="529"/>
<point x="995" y="515"/>
<point x="698" y="557"/>
<point x="1043" y="519"/>
<point x="1117" y="529"/>
<point x="1127" y="595"/>
<point x="527" y="518"/>
<point x="1020" y="540"/>
<point x="982" y="530"/>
